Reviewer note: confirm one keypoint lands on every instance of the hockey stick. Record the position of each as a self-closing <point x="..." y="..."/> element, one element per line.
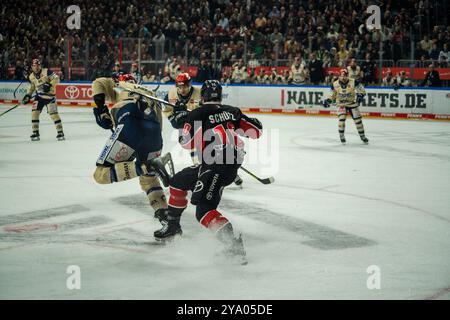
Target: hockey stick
<point x="10" y="109"/>
<point x="263" y="181"/>
<point x="131" y="87"/>
<point x="18" y="88"/>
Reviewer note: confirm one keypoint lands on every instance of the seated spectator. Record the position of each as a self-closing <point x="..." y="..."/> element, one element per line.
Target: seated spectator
<point x="401" y="80"/>
<point x="388" y="80"/>
<point x="149" y="77"/>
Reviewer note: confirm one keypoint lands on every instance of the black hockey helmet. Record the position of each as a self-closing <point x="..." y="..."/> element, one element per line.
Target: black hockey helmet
<point x="211" y="91"/>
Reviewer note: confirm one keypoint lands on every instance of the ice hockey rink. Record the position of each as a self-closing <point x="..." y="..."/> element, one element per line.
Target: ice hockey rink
<point x="338" y="220"/>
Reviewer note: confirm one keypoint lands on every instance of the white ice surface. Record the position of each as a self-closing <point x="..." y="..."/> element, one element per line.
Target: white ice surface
<point x="332" y="212"/>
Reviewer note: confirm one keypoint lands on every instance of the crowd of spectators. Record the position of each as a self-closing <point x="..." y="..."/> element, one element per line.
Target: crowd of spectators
<point x="215" y="34"/>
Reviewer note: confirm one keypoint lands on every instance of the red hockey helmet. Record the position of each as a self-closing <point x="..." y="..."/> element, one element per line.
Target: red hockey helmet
<point x="127" y="78"/>
<point x="183" y="79"/>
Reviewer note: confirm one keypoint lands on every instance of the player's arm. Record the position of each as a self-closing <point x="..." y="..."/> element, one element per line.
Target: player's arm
<point x="360" y="91"/>
<point x="250" y="127"/>
<point x="331" y="98"/>
<point x="245" y="126"/>
<point x="26" y="98"/>
<point x="50" y="84"/>
<point x="192" y="136"/>
<point x="101" y="112"/>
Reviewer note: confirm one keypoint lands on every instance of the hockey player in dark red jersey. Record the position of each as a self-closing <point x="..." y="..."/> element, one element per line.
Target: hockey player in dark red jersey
<point x="215" y="130"/>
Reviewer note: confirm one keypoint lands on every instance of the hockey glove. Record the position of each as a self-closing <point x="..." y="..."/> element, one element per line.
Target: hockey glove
<point x="26" y="99"/>
<point x="46" y="87"/>
<point x="179" y="106"/>
<point x="327" y="103"/>
<point x="102" y="117"/>
<point x="359" y="98"/>
<point x="179" y="115"/>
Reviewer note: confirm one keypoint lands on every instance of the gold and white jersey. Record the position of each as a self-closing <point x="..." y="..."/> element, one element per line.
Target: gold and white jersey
<point x="37" y="81"/>
<point x="105" y="86"/>
<point x="344" y="95"/>
<point x="192" y="100"/>
<point x="132" y="92"/>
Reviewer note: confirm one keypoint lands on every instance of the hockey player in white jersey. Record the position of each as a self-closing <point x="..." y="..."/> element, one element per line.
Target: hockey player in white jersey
<point x="347" y="94"/>
<point x="43" y="83"/>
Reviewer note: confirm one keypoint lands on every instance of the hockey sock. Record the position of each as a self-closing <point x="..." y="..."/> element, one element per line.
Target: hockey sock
<point x="151" y="186"/>
<point x="359" y="126"/>
<point x="57" y="120"/>
<point x="35" y="120"/>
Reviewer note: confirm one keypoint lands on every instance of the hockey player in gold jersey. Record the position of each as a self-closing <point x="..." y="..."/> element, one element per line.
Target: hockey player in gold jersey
<point x="347" y="94"/>
<point x="136" y="143"/>
<point x="43" y="82"/>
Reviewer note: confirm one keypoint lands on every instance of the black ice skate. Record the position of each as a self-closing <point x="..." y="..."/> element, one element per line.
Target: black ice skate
<point x="235" y="251"/>
<point x="60" y="136"/>
<point x="364" y="139"/>
<point x="342" y="137"/>
<point x="169" y="231"/>
<point x="35" y="136"/>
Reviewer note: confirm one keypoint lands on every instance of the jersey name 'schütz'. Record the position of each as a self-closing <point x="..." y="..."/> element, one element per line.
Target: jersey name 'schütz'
<point x="221" y="117"/>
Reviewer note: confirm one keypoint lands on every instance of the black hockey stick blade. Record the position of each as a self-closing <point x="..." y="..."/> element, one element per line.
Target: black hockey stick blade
<point x="268" y="180"/>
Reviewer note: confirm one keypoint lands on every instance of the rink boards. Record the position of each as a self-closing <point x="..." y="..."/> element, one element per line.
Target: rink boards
<point x="379" y="102"/>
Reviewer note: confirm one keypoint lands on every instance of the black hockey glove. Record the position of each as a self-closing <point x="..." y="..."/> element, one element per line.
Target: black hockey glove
<point x="26" y="99"/>
<point x="46" y="87"/>
<point x="102" y="117"/>
<point x="327" y="103"/>
<point x="359" y="98"/>
<point x="179" y="106"/>
<point x="179" y="115"/>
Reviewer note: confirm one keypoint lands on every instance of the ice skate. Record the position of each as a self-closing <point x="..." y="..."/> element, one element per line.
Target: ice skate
<point x="169" y="231"/>
<point x="60" y="136"/>
<point x="35" y="136"/>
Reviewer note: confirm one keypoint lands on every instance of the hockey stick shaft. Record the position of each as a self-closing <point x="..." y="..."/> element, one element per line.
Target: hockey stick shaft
<point x="263" y="181"/>
<point x="17" y="88"/>
<point x="149" y="96"/>
<point x="10" y="109"/>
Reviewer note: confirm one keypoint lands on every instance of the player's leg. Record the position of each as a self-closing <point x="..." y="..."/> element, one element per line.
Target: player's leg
<point x="151" y="185"/>
<point x="115" y="163"/>
<point x="356" y="115"/>
<point x="180" y="183"/>
<point x="52" y="110"/>
<point x="342" y="116"/>
<point x="211" y="218"/>
<point x="36" y="110"/>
